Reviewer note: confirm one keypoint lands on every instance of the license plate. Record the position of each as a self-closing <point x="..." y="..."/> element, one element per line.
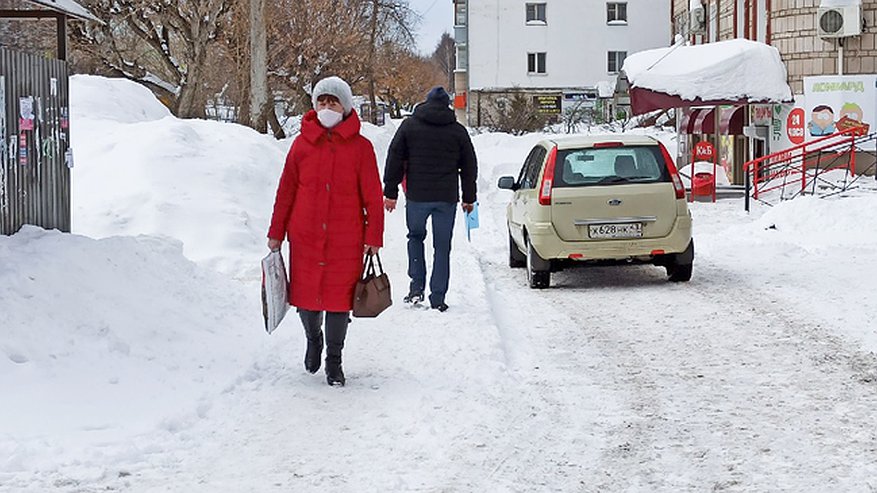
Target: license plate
<point x="629" y="230"/>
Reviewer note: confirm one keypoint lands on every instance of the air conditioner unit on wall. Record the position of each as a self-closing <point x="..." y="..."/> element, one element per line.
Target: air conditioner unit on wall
<point x="697" y="19"/>
<point x="839" y="22"/>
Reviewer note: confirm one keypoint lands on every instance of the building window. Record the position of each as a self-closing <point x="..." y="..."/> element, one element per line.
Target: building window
<point x="536" y="63"/>
<point x="460" y="13"/>
<point x="462" y="59"/>
<point x="536" y="13"/>
<point x="616" y="13"/>
<point x="616" y="61"/>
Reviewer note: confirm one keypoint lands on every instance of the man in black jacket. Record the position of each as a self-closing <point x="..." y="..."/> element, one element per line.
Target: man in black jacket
<point x="434" y="156"/>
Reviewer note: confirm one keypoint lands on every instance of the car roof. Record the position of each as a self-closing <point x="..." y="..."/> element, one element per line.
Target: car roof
<point x="579" y="141"/>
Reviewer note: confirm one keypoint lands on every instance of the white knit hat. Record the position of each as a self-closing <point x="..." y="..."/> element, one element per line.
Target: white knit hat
<point x="336" y="87"/>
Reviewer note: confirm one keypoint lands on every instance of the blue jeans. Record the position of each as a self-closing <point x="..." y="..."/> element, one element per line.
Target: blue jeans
<point x="443" y="215"/>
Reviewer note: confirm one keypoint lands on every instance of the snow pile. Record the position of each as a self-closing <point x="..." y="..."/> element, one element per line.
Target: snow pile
<point x="823" y="223"/>
<point x="105" y="340"/>
<point x="209" y="184"/>
<point x="145" y="173"/>
<point x="732" y="69"/>
<point x="112" y="100"/>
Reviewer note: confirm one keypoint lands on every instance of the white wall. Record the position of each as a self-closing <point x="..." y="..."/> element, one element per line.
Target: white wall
<point x="576" y="40"/>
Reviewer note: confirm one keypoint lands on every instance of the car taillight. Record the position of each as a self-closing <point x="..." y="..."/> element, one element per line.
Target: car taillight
<point x="603" y="145"/>
<point x="547" y="178"/>
<point x="674" y="174"/>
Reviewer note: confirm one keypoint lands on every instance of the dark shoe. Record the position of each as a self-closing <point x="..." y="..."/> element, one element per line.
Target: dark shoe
<point x="314" y="354"/>
<point x="440" y="307"/>
<point x="414" y="297"/>
<point x="335" y="375"/>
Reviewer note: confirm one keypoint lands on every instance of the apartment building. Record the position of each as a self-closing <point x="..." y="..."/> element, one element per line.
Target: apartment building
<point x="559" y="52"/>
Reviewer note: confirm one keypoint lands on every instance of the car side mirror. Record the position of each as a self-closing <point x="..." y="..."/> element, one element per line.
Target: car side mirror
<point x="507" y="183"/>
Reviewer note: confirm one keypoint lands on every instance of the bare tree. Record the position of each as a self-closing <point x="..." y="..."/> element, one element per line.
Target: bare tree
<point x="403" y="77"/>
<point x="310" y="39"/>
<point x="445" y="57"/>
<point x="163" y="44"/>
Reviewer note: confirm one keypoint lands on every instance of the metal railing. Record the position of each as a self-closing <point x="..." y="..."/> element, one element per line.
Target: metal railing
<point x="801" y="169"/>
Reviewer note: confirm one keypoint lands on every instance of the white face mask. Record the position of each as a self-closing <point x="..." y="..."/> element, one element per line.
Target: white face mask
<point x="329" y="118"/>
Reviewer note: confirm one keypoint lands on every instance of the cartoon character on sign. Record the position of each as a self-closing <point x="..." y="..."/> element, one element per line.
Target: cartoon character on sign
<point x="822" y="121"/>
<point x="851" y="115"/>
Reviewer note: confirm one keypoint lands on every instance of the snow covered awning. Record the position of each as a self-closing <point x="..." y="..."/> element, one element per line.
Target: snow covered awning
<point x="68" y="7"/>
<point x="737" y="71"/>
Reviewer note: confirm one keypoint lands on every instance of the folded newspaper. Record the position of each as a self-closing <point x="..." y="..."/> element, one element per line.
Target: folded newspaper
<point x="275" y="290"/>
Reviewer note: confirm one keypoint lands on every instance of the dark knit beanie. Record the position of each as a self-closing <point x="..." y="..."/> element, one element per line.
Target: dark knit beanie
<point x="439" y="95"/>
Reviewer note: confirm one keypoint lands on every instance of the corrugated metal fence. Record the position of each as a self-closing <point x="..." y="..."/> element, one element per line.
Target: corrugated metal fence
<point x="34" y="140"/>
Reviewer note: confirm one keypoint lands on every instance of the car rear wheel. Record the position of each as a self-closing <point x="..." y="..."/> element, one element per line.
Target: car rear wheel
<point x="681" y="264"/>
<point x="538" y="269"/>
<point x="516" y="258"/>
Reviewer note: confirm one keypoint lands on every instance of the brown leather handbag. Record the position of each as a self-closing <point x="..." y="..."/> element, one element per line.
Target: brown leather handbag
<point x="372" y="293"/>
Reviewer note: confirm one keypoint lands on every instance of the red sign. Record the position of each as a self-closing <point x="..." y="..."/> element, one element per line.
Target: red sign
<point x="703" y="183"/>
<point x="704" y="151"/>
<point x="795" y="126"/>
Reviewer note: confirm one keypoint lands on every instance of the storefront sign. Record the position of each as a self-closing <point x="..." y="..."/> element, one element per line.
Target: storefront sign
<point x="839" y="102"/>
<point x="703" y="183"/>
<point x="795" y="126"/>
<point x="548" y="105"/>
<point x="704" y="151"/>
<point x="575" y="100"/>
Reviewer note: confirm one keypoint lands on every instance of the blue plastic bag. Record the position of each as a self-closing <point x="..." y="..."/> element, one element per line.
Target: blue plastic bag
<point x="472" y="221"/>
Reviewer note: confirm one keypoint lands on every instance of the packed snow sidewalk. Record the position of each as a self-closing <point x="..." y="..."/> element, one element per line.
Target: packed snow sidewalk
<point x="135" y="360"/>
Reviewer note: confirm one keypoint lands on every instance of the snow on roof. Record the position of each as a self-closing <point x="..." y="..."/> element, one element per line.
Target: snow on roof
<point x="69" y="7"/>
<point x="727" y="70"/>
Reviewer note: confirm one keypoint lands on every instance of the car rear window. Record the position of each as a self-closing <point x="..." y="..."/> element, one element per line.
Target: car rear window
<point x="610" y="166"/>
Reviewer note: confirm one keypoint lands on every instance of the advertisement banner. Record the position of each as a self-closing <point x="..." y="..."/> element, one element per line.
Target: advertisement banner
<point x="548" y="105"/>
<point x="838" y="102"/>
<point x="788" y="126"/>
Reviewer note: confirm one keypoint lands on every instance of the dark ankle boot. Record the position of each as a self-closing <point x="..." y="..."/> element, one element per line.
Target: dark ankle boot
<point x="312" y="322"/>
<point x="314" y="354"/>
<point x="334" y="374"/>
<point x="336" y="332"/>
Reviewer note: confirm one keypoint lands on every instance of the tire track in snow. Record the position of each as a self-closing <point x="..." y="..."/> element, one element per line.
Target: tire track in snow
<point x="723" y="395"/>
<point x="552" y="442"/>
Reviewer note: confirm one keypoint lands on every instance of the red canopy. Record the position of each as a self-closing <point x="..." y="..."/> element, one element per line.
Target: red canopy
<point x="646" y="100"/>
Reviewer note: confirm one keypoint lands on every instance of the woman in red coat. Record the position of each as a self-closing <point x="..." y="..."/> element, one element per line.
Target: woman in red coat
<point x="329" y="205"/>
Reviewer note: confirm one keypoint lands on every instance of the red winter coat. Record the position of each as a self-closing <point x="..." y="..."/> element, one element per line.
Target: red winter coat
<point x="329" y="205"/>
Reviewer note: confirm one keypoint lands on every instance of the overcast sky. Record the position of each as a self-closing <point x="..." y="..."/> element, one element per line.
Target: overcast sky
<point x="437" y="16"/>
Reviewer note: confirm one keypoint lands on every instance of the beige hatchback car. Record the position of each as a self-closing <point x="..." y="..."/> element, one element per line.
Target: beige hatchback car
<point x="598" y="200"/>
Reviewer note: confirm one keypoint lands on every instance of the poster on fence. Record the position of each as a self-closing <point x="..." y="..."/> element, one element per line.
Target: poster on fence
<point x="838" y="102"/>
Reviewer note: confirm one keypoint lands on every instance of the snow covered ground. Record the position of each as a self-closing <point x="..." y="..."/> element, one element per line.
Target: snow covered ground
<point x="133" y="356"/>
